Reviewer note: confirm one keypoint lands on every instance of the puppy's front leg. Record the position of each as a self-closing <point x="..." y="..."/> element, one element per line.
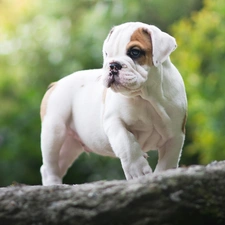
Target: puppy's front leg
<point x="128" y="150"/>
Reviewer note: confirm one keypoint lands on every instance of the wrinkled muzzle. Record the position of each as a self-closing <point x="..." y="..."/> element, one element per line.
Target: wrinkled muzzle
<point x="123" y="76"/>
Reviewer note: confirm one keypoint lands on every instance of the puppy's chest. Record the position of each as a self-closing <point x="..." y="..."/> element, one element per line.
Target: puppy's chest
<point x="139" y="115"/>
<point x="142" y="122"/>
<point x="146" y="134"/>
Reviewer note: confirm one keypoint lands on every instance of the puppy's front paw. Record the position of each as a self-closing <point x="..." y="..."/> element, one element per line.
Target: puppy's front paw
<point x="136" y="168"/>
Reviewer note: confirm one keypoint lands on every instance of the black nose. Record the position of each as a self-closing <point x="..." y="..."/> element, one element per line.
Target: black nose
<point x="115" y="66"/>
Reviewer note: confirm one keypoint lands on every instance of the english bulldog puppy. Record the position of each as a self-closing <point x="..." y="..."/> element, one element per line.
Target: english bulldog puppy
<point x="135" y="103"/>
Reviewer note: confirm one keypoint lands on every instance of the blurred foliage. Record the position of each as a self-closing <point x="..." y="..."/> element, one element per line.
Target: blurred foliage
<point x="201" y="58"/>
<point x="43" y="41"/>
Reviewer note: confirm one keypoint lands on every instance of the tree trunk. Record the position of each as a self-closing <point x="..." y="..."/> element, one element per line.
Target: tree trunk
<point x="193" y="195"/>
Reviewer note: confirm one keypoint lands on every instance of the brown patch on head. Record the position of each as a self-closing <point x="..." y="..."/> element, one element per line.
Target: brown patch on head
<point x="44" y="102"/>
<point x="141" y="39"/>
<point x="184" y="123"/>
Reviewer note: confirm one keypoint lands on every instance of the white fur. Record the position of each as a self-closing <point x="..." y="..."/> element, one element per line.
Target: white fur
<point x="143" y="111"/>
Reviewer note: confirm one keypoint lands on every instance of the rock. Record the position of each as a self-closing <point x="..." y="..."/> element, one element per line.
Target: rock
<point x="192" y="195"/>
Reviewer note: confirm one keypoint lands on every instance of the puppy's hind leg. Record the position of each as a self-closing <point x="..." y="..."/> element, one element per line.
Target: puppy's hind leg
<point x="169" y="154"/>
<point x="53" y="135"/>
<point x="70" y="150"/>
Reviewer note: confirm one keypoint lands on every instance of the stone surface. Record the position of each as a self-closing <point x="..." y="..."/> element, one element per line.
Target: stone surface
<point x="193" y="195"/>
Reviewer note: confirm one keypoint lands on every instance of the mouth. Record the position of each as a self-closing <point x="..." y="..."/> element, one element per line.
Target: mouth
<point x="114" y="71"/>
<point x="121" y="79"/>
<point x="111" y="80"/>
<point x="117" y="86"/>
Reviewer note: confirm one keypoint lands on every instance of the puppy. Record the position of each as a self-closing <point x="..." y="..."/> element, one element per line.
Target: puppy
<point x="135" y="103"/>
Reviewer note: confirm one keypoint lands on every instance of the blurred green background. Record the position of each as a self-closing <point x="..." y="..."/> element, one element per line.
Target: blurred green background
<point x="45" y="40"/>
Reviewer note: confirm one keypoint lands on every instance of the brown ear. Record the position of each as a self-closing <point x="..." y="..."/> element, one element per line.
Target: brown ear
<point x="162" y="44"/>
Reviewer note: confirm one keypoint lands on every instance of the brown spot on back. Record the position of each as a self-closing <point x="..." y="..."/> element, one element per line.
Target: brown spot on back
<point x="141" y="39"/>
<point x="51" y="85"/>
<point x="184" y="123"/>
<point x="44" y="102"/>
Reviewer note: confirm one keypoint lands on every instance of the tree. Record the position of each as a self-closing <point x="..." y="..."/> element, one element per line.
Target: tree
<point x="44" y="41"/>
<point x="200" y="58"/>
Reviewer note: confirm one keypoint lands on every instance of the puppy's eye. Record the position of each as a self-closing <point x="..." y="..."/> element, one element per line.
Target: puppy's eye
<point x="135" y="53"/>
<point x="106" y="54"/>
